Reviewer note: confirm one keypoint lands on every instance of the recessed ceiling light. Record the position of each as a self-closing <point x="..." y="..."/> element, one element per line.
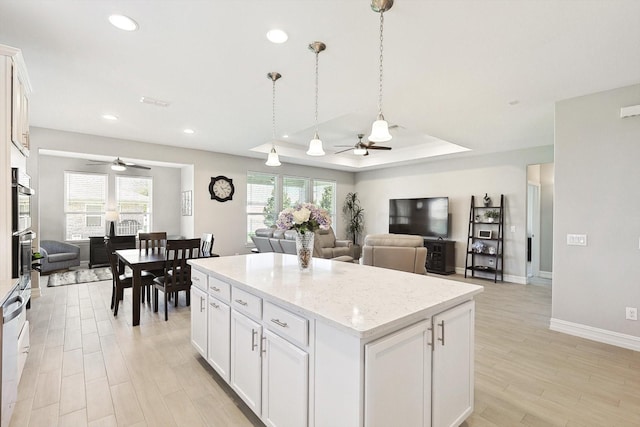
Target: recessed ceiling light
<point x="285" y="136"/>
<point x="123" y="22"/>
<point x="277" y="36"/>
<point x="109" y="117"/>
<point x="189" y="131"/>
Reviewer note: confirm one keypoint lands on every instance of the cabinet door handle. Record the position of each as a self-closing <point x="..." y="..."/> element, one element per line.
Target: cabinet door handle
<point x="430" y="343"/>
<point x="214" y="305"/>
<point x="215" y="288"/>
<point x="201" y="304"/>
<point x="254" y="335"/>
<point x="279" y="323"/>
<point x="263" y="344"/>
<point x="441" y="324"/>
<point x="243" y="303"/>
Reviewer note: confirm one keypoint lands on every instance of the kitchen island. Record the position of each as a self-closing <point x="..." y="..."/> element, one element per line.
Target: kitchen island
<point x="343" y="344"/>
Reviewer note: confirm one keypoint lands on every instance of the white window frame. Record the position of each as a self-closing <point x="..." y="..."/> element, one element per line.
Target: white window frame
<point x="147" y="223"/>
<point x="86" y="213"/>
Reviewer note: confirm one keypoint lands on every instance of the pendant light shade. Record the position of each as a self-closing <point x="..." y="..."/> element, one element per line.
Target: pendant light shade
<point x="272" y="158"/>
<point x="380" y="128"/>
<point x="315" y="145"/>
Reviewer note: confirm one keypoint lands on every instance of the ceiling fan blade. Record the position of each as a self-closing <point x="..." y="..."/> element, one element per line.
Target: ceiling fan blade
<point x="137" y="166"/>
<point x="336" y="146"/>
<point x="98" y="162"/>
<point x="378" y="147"/>
<point x="342" y="151"/>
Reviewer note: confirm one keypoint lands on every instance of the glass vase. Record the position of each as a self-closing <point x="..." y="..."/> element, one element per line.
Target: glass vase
<point x="304" y="249"/>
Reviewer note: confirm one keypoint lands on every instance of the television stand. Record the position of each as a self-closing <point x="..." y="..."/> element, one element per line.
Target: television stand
<point x="440" y="256"/>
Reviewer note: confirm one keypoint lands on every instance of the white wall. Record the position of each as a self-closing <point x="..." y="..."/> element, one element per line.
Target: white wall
<point x="546" y="217"/>
<point x="596" y="193"/>
<point x="225" y="220"/>
<point x="459" y="179"/>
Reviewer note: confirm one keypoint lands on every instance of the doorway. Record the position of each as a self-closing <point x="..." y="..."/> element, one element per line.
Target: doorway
<point x="540" y="187"/>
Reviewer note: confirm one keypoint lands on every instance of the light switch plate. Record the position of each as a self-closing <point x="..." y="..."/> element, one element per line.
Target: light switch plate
<point x="577" y="239"/>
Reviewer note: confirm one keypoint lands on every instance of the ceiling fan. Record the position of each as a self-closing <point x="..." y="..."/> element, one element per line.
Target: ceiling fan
<point x="117" y="164"/>
<point x="362" y="148"/>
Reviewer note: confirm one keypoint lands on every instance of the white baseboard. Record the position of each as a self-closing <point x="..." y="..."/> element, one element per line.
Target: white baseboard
<point x="546" y="274"/>
<point x="595" y="334"/>
<point x="519" y="280"/>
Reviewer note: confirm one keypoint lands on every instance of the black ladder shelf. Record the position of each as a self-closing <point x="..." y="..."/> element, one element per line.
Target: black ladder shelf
<point x="485" y="242"/>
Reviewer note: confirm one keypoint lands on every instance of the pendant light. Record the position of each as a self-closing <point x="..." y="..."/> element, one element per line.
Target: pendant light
<point x="380" y="128"/>
<point x="272" y="159"/>
<point x="315" y="146"/>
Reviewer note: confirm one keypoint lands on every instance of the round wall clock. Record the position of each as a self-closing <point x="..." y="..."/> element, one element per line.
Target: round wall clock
<point x="221" y="188"/>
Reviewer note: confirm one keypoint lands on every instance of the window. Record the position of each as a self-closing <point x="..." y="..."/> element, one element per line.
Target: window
<point x="85" y="201"/>
<point x="134" y="201"/>
<point x="262" y="202"/>
<point x="294" y="191"/>
<point x="324" y="195"/>
<point x="265" y="198"/>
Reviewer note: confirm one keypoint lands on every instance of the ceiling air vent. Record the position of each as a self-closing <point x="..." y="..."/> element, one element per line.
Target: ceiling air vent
<point x="631" y="111"/>
<point x="156" y="102"/>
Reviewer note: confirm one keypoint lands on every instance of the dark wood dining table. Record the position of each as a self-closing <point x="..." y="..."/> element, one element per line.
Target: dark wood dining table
<point x="139" y="260"/>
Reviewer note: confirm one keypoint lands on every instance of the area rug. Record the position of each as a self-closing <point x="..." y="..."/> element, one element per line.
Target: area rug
<point x="79" y="276"/>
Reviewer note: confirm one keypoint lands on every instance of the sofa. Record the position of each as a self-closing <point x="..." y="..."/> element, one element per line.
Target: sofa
<point x="325" y="244"/>
<point x="58" y="255"/>
<point x="395" y="251"/>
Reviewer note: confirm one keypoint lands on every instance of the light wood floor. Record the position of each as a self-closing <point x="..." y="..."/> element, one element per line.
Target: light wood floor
<point x="88" y="368"/>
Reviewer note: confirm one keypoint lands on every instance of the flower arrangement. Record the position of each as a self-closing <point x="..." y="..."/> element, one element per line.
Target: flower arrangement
<point x="305" y="217"/>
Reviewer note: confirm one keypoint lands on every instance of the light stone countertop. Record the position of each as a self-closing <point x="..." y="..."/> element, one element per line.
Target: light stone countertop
<point x="359" y="299"/>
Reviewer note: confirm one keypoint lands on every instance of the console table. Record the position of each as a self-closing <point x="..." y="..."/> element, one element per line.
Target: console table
<point x="98" y="252"/>
<point x="440" y="256"/>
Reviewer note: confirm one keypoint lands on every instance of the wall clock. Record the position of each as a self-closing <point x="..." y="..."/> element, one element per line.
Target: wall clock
<point x="221" y="188"/>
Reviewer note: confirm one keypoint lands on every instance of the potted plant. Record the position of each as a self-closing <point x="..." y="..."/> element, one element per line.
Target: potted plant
<point x="354" y="216"/>
<point x="492" y="215"/>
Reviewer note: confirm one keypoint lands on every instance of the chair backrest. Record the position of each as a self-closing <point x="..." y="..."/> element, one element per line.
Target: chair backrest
<point x="261" y="239"/>
<point x="395" y="251"/>
<point x="154" y="241"/>
<point x="113" y="259"/>
<point x="207" y="244"/>
<point x="176" y="267"/>
<point x="122" y="242"/>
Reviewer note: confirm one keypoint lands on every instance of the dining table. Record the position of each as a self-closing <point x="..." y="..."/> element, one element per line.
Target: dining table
<point x="138" y="260"/>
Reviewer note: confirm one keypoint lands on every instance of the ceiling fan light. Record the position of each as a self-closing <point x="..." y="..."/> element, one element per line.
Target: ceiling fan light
<point x="359" y="151"/>
<point x="380" y="130"/>
<point x="123" y="22"/>
<point x="273" y="159"/>
<point x="315" y="147"/>
<point x="118" y="167"/>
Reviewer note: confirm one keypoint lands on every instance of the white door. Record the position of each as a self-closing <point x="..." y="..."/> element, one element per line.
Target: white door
<point x="533" y="228"/>
<point x="219" y="343"/>
<point x="285" y="383"/>
<point x="199" y="320"/>
<point x="245" y="360"/>
<point x="452" y="384"/>
<point x="397" y="388"/>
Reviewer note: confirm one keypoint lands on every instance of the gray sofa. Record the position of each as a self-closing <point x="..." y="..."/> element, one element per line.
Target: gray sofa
<point x="58" y="255"/>
<point x="325" y="244"/>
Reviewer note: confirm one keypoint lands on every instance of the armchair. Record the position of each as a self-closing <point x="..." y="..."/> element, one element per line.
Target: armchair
<point x="325" y="245"/>
<point x="261" y="239"/>
<point x="395" y="251"/>
<point x="58" y="255"/>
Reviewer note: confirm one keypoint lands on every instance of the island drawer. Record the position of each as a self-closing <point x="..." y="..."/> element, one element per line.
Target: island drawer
<point x="286" y="324"/>
<point x="219" y="289"/>
<point x="246" y="302"/>
<point x="199" y="279"/>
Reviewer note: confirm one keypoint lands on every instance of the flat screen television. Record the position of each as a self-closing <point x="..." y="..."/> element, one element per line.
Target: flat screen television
<point x="427" y="217"/>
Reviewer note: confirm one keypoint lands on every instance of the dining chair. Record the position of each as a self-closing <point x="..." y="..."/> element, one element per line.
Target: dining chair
<point x="154" y="242"/>
<point x="176" y="276"/>
<point x="121" y="279"/>
<point x="207" y="245"/>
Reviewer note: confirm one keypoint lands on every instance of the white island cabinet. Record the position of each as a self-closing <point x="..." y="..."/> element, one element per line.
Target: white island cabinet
<point x="340" y="345"/>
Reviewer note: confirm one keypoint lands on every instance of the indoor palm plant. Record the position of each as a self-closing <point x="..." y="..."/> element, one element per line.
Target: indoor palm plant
<point x="354" y="216"/>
